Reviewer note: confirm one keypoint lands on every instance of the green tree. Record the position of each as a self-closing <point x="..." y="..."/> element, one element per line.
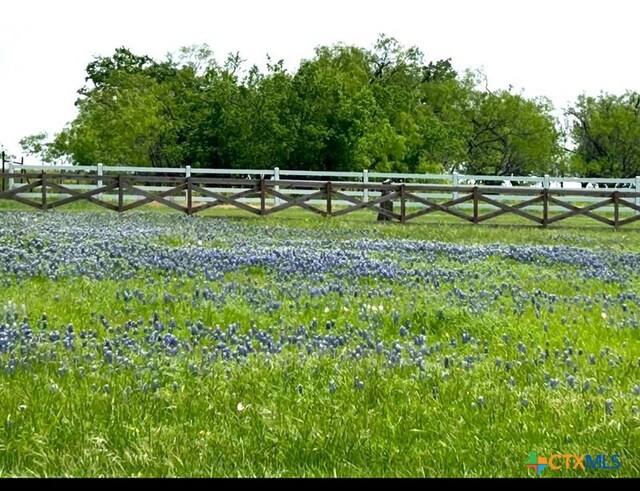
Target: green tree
<point x="136" y="111"/>
<point x="123" y="114"/>
<point x="40" y="147"/>
<point x="258" y="130"/>
<point x="346" y="108"/>
<point x="417" y="110"/>
<point x="121" y="123"/>
<point x="606" y="135"/>
<point x="382" y="109"/>
<point x="509" y="134"/>
<point x="330" y="106"/>
<point x="204" y="106"/>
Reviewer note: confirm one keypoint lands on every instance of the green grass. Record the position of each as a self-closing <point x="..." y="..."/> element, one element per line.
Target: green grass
<point x="276" y="415"/>
<point x="580" y="231"/>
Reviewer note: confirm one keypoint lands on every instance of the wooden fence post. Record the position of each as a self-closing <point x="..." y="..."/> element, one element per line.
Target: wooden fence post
<point x="546" y="184"/>
<point x="263" y="196"/>
<point x="403" y="204"/>
<point x="476" y="193"/>
<point x="329" y="192"/>
<point x="545" y="208"/>
<point x="616" y="209"/>
<point x="120" y="193"/>
<point x="43" y="189"/>
<point x="189" y="196"/>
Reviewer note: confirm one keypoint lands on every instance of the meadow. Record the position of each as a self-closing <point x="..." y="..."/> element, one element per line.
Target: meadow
<point x="155" y="344"/>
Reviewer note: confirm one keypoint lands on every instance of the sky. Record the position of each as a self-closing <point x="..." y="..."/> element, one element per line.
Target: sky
<point x="553" y="48"/>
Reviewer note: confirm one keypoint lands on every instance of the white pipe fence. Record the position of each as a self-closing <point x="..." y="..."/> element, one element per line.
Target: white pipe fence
<point x="365" y="176"/>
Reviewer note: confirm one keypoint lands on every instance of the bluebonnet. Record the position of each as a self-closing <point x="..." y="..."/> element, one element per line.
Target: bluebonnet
<point x="309" y="273"/>
<point x="608" y="406"/>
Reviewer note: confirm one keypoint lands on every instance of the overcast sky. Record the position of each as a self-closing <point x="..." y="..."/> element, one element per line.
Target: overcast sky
<point x="557" y="48"/>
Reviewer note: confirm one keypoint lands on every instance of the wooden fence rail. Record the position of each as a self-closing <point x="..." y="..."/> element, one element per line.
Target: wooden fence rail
<point x="191" y="195"/>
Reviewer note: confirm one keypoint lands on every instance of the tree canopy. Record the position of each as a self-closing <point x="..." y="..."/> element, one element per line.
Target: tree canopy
<point x="385" y="108"/>
<point x="606" y="132"/>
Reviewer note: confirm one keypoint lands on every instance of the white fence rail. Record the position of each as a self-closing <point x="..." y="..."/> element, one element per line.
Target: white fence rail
<point x="454" y="179"/>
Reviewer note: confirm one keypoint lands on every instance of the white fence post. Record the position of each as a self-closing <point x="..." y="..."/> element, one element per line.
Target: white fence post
<point x="545" y="182"/>
<point x="637" y="191"/>
<point x="11" y="180"/>
<point x="99" y="181"/>
<point x="276" y="177"/>
<point x="365" y="180"/>
<point x="454" y="182"/>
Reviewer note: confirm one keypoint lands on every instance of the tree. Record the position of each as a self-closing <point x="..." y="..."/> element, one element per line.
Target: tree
<point x="101" y="70"/>
<point x="122" y="123"/>
<point x="7" y="155"/>
<point x="606" y="135"/>
<point x="330" y="106"/>
<point x="203" y="99"/>
<point x="124" y="114"/>
<point x="46" y="151"/>
<point x="347" y="108"/>
<point x="382" y="109"/>
<point x="509" y="134"/>
<point x="258" y="125"/>
<point x="417" y="113"/>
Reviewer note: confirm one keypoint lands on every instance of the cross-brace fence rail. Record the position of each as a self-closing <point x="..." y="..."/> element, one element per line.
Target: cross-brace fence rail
<point x="394" y="202"/>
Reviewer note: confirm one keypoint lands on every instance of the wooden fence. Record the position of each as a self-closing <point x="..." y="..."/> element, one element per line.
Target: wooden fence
<point x="396" y="201"/>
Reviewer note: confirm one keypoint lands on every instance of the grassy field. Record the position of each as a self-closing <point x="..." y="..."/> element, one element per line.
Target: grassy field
<point x="155" y="344"/>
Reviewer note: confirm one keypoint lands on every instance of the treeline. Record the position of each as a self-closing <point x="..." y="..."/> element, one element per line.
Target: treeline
<point x="347" y="108"/>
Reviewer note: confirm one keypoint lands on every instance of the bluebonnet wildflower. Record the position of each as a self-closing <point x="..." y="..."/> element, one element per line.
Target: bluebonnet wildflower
<point x="332" y="386"/>
<point x="307" y="270"/>
<point x="608" y="406"/>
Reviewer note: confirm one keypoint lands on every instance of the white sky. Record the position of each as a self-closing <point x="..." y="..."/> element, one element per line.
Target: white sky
<point x="557" y="48"/>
